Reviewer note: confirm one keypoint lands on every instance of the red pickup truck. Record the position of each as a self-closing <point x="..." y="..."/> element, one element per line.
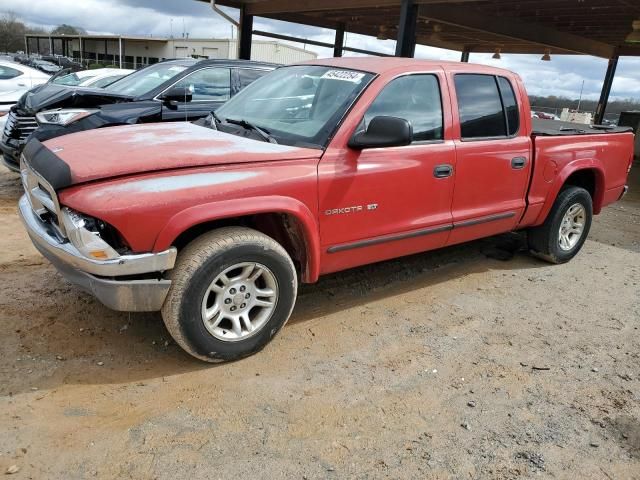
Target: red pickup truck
<point x="314" y="168"/>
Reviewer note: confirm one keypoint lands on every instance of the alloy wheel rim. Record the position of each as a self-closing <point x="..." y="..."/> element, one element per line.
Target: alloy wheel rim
<point x="239" y="301"/>
<point x="572" y="227"/>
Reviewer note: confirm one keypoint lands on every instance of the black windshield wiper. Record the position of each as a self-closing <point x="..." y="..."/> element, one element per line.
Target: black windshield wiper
<point x="213" y="120"/>
<point x="250" y="126"/>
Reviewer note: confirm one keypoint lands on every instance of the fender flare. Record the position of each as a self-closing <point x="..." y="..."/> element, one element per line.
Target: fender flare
<point x="240" y="207"/>
<point x="568" y="170"/>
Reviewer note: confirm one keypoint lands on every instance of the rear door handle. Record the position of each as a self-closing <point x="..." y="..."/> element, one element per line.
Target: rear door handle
<point x="442" y="171"/>
<point x="518" y="162"/>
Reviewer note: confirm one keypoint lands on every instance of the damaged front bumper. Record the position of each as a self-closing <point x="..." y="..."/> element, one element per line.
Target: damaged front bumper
<point x="101" y="277"/>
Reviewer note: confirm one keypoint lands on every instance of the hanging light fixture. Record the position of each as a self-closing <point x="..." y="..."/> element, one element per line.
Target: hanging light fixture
<point x="496" y="54"/>
<point x="547" y="55"/>
<point x="435" y="36"/>
<point x="382" y="33"/>
<point x="634" y="36"/>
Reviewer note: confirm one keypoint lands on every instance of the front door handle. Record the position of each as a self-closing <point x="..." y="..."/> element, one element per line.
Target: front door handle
<point x="518" y="162"/>
<point x="442" y="171"/>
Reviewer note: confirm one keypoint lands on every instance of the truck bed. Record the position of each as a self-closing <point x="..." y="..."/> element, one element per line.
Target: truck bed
<point x="556" y="128"/>
<point x="606" y="153"/>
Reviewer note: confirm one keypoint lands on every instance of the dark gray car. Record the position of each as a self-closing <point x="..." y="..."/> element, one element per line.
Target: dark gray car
<point x="173" y="90"/>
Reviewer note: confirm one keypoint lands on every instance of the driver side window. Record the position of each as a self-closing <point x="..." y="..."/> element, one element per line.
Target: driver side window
<point x="416" y="98"/>
<point x="208" y="84"/>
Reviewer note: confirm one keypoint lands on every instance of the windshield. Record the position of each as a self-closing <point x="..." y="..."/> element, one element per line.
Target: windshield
<point x="70" y="79"/>
<point x="102" y="82"/>
<point x="145" y="80"/>
<point x="298" y="105"/>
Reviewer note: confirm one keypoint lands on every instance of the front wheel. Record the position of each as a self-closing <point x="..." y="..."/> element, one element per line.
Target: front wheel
<point x="565" y="230"/>
<point x="232" y="290"/>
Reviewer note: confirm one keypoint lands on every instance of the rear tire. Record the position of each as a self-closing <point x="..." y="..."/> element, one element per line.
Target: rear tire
<point x="232" y="290"/>
<point x="565" y="230"/>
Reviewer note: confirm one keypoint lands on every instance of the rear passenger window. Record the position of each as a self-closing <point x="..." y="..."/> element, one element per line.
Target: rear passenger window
<point x="416" y="98"/>
<point x="510" y="105"/>
<point x="479" y="106"/>
<point x="248" y="76"/>
<point x="208" y="84"/>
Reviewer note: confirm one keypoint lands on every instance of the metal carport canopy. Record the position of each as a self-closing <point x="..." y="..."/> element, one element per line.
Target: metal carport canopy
<point x="600" y="28"/>
<point x="590" y="27"/>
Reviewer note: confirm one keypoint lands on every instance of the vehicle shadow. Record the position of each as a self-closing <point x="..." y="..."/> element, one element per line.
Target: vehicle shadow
<point x="10" y="186"/>
<point x="619" y="224"/>
<point x="378" y="281"/>
<point x="63" y="336"/>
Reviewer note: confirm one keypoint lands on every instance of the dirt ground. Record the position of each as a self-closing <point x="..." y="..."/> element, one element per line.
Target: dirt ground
<point x="476" y="362"/>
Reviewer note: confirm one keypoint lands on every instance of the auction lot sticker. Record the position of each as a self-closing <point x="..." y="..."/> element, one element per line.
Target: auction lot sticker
<point x="345" y="75"/>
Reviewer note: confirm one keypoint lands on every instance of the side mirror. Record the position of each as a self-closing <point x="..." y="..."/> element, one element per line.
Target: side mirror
<point x="176" y="95"/>
<point x="383" y="132"/>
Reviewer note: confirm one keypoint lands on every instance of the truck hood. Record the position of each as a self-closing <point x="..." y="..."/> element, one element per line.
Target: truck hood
<point x="50" y="96"/>
<point x="126" y="150"/>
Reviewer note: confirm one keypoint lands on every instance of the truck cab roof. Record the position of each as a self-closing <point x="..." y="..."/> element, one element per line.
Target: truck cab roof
<point x="380" y="65"/>
<point x="190" y="62"/>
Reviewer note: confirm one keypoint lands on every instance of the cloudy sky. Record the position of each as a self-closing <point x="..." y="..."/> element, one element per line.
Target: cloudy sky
<point x="562" y="76"/>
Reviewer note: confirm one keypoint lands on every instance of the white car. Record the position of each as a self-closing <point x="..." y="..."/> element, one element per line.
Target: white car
<point x="15" y="80"/>
<point x="17" y="77"/>
<point x="98" y="78"/>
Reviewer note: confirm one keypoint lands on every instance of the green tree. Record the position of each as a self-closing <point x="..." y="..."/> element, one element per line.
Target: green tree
<point x="65" y="29"/>
<point x="11" y="33"/>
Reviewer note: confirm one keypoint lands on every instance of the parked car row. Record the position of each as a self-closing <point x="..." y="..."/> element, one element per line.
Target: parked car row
<point x="63" y="62"/>
<point x="544" y="115"/>
<point x="311" y="169"/>
<point x="47" y="63"/>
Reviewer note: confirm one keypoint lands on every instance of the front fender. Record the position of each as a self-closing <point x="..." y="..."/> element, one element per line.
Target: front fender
<point x="190" y="217"/>
<point x="562" y="176"/>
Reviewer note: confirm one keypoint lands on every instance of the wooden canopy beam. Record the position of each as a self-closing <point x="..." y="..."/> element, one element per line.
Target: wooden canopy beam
<point x="267" y="7"/>
<point x="439" y="11"/>
<point x="517" y="29"/>
<point x="301" y="6"/>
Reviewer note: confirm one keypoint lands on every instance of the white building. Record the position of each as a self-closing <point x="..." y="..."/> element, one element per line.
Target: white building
<point x="139" y="51"/>
<point x="576" y="117"/>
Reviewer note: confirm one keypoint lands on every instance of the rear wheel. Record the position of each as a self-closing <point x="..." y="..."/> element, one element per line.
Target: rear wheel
<point x="565" y="230"/>
<point x="232" y="290"/>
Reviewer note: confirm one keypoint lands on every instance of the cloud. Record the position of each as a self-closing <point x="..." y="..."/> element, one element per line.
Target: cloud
<point x="563" y="76"/>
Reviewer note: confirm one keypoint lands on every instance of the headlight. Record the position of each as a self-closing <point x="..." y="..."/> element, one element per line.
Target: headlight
<point x="63" y="117"/>
<point x="87" y="241"/>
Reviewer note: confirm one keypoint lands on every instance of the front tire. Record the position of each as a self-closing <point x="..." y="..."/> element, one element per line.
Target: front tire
<point x="565" y="229"/>
<point x="232" y="290"/>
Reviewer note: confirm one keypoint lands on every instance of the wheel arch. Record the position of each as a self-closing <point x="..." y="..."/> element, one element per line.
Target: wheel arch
<point x="587" y="174"/>
<point x="286" y="220"/>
